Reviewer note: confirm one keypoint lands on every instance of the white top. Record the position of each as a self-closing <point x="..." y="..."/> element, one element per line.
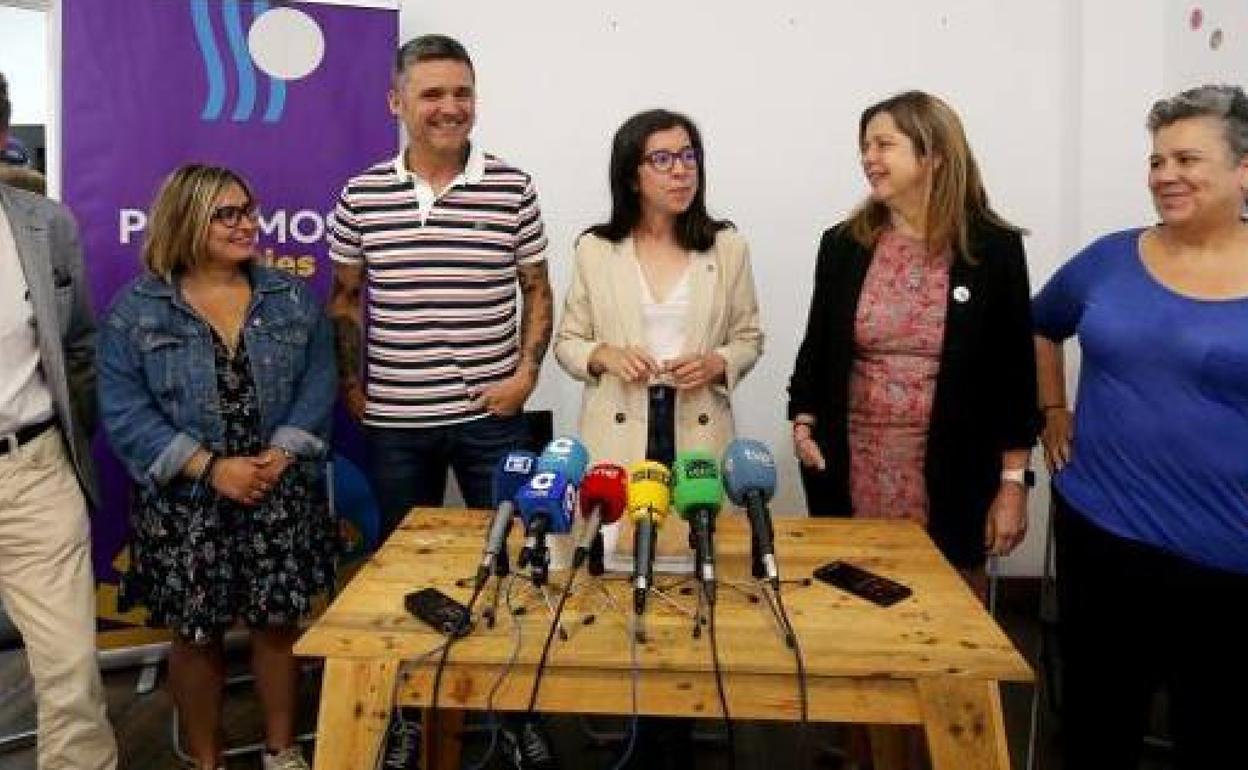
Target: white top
<point x="24" y="396"/>
<point x="663" y="323"/>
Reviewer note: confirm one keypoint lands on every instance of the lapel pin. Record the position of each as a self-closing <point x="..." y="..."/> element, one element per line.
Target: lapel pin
<point x="961" y="294"/>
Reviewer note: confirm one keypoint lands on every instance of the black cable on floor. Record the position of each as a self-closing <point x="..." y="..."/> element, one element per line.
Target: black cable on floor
<point x="719" y="677"/>
<point x="550" y="637"/>
<point x="803" y="696"/>
<point x="491" y="714"/>
<point x="394" y="693"/>
<point x="636" y="681"/>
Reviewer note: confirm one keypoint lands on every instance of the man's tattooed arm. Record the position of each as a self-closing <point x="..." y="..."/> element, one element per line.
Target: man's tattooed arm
<point x="345" y="311"/>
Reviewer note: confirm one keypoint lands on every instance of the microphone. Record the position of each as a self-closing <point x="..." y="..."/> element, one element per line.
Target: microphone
<point x="512" y="473"/>
<point x="604" y="495"/>
<point x="649" y="496"/>
<point x="750" y="481"/>
<point x="546" y="504"/>
<point x="566" y="455"/>
<point x="697" y="496"/>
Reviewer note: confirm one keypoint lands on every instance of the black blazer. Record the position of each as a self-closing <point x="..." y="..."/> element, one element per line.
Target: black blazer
<point x="985" y="401"/>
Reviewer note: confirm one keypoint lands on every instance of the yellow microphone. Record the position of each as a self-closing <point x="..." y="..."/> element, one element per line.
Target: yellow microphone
<point x="649" y="497"/>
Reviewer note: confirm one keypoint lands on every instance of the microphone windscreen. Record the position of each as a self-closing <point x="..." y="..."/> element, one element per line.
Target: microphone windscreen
<point x="566" y="455"/>
<point x="548" y="493"/>
<point x="748" y="466"/>
<point x="649" y="491"/>
<point x="695" y="483"/>
<point x="605" y="486"/>
<point x="512" y="472"/>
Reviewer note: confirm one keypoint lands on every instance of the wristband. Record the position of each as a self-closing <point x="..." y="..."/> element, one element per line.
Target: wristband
<point x="1022" y="476"/>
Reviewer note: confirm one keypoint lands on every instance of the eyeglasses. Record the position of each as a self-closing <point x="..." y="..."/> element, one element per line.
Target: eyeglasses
<point x="665" y="160"/>
<point x="232" y="215"/>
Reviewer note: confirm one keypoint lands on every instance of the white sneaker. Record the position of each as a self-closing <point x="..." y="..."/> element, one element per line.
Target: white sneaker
<point x="286" y="759"/>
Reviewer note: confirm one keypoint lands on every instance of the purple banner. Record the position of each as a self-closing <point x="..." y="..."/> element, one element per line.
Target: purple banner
<point x="291" y="95"/>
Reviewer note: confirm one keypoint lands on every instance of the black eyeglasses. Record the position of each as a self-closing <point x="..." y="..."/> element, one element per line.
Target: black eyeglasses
<point x="665" y="160"/>
<point x="232" y="215"/>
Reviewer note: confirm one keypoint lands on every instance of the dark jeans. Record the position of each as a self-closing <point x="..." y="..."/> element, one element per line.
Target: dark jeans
<point x="661" y="427"/>
<point x="1134" y="618"/>
<point x="408" y="465"/>
<point x="663" y="742"/>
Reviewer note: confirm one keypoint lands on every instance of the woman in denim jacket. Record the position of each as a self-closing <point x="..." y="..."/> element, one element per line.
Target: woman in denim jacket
<point x="216" y="384"/>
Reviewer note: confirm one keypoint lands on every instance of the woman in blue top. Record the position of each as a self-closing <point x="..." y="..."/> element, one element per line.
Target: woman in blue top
<point x="1152" y="478"/>
<point x="216" y="383"/>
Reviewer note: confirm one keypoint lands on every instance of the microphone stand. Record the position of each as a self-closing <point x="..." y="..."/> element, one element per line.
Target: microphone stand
<point x="596" y="569"/>
<point x="701" y="531"/>
<point x="499" y="567"/>
<point x="537" y="559"/>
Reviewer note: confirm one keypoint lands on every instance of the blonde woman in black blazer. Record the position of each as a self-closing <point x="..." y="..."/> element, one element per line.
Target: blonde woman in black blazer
<point x="983" y="416"/>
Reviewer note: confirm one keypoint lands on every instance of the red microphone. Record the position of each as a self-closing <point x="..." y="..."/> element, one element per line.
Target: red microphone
<point x="604" y="495"/>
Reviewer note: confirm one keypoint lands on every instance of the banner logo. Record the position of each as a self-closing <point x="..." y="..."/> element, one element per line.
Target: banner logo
<point x="281" y="45"/>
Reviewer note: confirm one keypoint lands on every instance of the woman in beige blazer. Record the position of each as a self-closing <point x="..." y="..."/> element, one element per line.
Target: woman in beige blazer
<point x="661" y="320"/>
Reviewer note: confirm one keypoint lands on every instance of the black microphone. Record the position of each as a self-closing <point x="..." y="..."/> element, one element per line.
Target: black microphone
<point x="649" y="496"/>
<point x="697" y="496"/>
<point x="750" y="481"/>
<point x="512" y="473"/>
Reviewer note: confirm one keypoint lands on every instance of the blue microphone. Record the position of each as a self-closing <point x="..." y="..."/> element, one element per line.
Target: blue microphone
<point x="510" y="475"/>
<point x="566" y="455"/>
<point x="750" y="482"/>
<point x="546" y="504"/>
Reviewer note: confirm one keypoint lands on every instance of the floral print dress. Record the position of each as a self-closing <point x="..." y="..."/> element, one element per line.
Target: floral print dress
<point x="898" y="334"/>
<point x="201" y="562"/>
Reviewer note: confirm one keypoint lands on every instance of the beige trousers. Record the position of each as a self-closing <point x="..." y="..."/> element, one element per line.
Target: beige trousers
<point x="48" y="590"/>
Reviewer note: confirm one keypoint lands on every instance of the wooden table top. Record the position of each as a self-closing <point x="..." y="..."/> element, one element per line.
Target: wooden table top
<point x="941" y="631"/>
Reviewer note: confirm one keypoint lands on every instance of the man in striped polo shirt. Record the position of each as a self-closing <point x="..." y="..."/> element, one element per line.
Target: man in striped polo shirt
<point x="442" y="234"/>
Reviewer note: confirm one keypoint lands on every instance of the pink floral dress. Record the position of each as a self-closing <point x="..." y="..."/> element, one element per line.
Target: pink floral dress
<point x="898" y="334"/>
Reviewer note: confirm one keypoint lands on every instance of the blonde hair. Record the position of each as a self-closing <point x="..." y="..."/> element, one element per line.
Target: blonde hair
<point x="177" y="227"/>
<point x="957" y="197"/>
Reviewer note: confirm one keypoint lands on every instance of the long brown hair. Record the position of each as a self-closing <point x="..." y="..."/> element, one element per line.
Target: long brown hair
<point x="957" y="197"/>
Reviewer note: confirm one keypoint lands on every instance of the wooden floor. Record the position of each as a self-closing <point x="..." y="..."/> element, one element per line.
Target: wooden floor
<point x="143" y="721"/>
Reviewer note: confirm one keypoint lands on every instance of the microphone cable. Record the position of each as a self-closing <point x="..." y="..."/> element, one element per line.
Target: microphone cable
<point x="800" y="661"/>
<point x="623" y="761"/>
<point x="491" y="713"/>
<point x="455" y="634"/>
<point x="719" y="675"/>
<point x="550" y="636"/>
<point x="394" y="694"/>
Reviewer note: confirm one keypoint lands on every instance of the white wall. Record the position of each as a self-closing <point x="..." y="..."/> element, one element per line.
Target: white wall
<point x="1052" y="94"/>
<point x="24" y="62"/>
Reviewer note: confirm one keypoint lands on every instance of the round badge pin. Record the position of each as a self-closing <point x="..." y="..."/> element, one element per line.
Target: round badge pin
<point x="961" y="294"/>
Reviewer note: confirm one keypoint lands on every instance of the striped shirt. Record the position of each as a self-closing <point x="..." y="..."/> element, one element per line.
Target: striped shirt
<point x="441" y="277"/>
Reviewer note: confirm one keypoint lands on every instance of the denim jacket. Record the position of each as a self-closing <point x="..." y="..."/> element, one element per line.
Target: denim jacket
<point x="158" y="384"/>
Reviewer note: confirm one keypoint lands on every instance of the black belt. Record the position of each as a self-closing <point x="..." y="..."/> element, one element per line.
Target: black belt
<point x="9" y="442"/>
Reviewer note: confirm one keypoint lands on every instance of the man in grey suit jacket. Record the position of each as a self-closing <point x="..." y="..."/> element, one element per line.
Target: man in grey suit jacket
<point x="47" y="397"/>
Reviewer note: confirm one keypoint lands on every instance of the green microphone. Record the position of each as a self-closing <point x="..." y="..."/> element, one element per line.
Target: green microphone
<point x="697" y="495"/>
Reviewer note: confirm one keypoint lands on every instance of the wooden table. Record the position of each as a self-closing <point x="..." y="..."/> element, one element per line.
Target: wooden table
<point x="934" y="659"/>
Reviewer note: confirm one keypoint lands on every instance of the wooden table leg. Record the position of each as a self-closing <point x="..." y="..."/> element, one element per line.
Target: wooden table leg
<point x="964" y="725"/>
<point x="357" y="697"/>
<point x="441" y="738"/>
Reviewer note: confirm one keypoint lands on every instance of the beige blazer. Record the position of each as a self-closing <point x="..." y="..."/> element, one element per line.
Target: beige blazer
<point x="603" y="305"/>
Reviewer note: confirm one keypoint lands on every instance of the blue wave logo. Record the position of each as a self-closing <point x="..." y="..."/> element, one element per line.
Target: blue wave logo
<point x="277" y="46"/>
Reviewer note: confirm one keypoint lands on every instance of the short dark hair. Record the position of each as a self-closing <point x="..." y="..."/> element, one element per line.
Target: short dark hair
<point x="432" y="47"/>
<point x="695" y="229"/>
<point x="6" y="107"/>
